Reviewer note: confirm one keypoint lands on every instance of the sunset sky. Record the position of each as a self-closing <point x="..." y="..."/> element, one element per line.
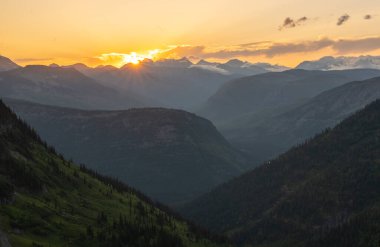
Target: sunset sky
<point x="102" y="31"/>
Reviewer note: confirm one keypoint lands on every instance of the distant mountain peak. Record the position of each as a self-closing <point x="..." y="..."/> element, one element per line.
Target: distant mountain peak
<point x="235" y="63"/>
<point x="342" y="63"/>
<point x="41" y="69"/>
<point x="79" y="66"/>
<point x="106" y="67"/>
<point x="7" y="64"/>
<point x="54" y="65"/>
<point x="182" y="62"/>
<point x="204" y="62"/>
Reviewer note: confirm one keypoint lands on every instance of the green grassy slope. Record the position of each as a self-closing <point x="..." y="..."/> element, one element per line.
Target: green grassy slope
<point x="48" y="201"/>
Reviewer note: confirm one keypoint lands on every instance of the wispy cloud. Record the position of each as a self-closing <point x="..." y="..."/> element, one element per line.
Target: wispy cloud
<point x="269" y="49"/>
<point x="356" y="45"/>
<point x="29" y="60"/>
<point x="291" y="23"/>
<point x="272" y="49"/>
<point x="183" y="51"/>
<point x="255" y="43"/>
<point x="343" y="19"/>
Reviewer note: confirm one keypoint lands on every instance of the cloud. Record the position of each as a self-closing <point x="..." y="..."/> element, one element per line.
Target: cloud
<point x="274" y="49"/>
<point x="28" y="60"/>
<point x="343" y="19"/>
<point x="356" y="45"/>
<point x="267" y="49"/>
<point x="302" y="19"/>
<point x="367" y="17"/>
<point x="254" y="49"/>
<point x="119" y="59"/>
<point x="291" y="23"/>
<point x="183" y="51"/>
<point x="255" y="43"/>
<point x="306" y="46"/>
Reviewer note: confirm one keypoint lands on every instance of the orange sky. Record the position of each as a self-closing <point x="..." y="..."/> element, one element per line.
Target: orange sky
<point x="69" y="31"/>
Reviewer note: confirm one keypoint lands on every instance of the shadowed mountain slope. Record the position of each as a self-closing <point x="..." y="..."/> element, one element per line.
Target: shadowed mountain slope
<point x="270" y="93"/>
<point x="171" y="155"/>
<point x="268" y="137"/>
<point x="325" y="192"/>
<point x="48" y="201"/>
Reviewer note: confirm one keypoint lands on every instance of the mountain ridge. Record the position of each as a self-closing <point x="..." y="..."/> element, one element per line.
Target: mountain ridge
<point x="7" y="64"/>
<point x="272" y="91"/>
<point x="63" y="87"/>
<point x="269" y="137"/>
<point x="48" y="201"/>
<point x="309" y="196"/>
<point x="342" y="63"/>
<point x="171" y="155"/>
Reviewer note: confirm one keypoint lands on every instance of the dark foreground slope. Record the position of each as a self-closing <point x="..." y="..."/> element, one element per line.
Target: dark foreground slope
<point x="171" y="155"/>
<point x="325" y="192"/>
<point x="48" y="201"/>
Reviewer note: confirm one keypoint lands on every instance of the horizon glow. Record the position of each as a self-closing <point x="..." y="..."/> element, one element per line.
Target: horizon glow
<point x="115" y="32"/>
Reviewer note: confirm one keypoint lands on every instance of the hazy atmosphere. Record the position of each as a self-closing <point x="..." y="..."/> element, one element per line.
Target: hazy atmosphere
<point x="170" y="123"/>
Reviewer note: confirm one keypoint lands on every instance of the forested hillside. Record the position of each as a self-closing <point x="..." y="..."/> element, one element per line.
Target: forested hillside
<point x="46" y="200"/>
<point x="171" y="155"/>
<point x="325" y="192"/>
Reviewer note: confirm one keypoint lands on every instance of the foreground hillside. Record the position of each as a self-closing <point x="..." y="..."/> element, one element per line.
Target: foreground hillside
<point x="48" y="201"/>
<point x="325" y="192"/>
<point x="171" y="155"/>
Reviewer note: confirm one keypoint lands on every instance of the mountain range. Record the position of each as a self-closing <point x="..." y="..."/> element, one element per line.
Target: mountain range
<point x="269" y="93"/>
<point x="342" y="63"/>
<point x="325" y="192"/>
<point x="7" y="64"/>
<point x="63" y="87"/>
<point x="269" y="136"/>
<point x="165" y="83"/>
<point x="171" y="155"/>
<point x="174" y="83"/>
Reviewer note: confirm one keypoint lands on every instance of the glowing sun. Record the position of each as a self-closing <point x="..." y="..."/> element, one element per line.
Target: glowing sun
<point x="120" y="59"/>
